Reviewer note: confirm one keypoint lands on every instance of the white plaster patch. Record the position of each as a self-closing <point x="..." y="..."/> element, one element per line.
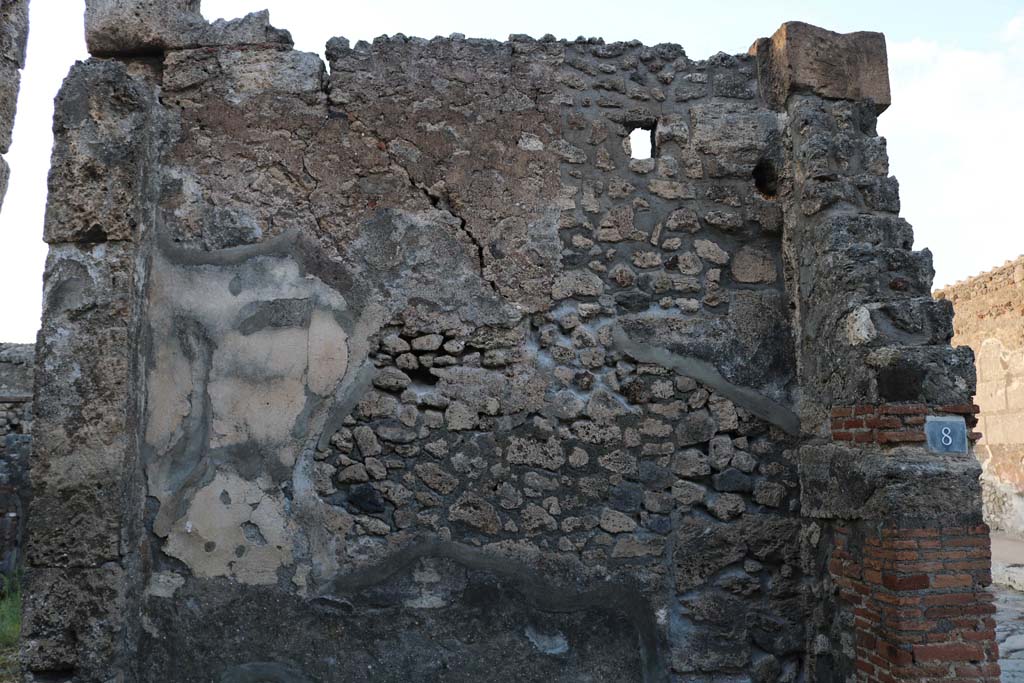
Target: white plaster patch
<point x="168" y="407"/>
<point x="270" y="353"/>
<point x="218" y="545"/>
<point x="328" y="353"/>
<point x="262" y="411"/>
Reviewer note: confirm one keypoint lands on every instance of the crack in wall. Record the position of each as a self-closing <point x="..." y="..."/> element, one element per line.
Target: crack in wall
<point x="315" y="179"/>
<point x="438" y="200"/>
<point x="443" y="202"/>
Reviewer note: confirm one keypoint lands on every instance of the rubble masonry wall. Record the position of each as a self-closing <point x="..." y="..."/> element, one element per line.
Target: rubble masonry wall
<point x="400" y="367"/>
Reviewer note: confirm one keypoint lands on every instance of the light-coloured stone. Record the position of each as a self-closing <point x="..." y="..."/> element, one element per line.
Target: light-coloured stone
<point x="753" y="266"/>
<point x="800" y="57"/>
<point x="711" y="252"/>
<point x="615" y="522"/>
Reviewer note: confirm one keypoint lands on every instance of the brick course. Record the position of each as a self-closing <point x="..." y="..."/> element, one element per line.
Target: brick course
<point x="893" y="424"/>
<point x="918" y="597"/>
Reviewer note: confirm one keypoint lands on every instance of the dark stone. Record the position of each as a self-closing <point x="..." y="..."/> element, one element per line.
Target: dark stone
<point x="731" y="480"/>
<point x="366" y="498"/>
<point x="655" y="476"/>
<point x="659" y="524"/>
<point x="626" y="497"/>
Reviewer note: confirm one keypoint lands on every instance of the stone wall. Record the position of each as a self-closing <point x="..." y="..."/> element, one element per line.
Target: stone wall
<point x="990" y="320"/>
<point x="16" y="375"/>
<point x="13" y="38"/>
<point x="403" y="368"/>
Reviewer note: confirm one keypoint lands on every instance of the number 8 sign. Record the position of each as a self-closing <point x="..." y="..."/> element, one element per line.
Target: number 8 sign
<point x="946" y="434"/>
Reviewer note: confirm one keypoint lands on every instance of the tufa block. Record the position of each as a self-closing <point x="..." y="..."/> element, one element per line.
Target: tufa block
<point x="805" y="58"/>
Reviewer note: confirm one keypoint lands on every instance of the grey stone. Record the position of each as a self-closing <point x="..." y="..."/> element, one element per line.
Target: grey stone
<point x="615" y="522"/>
<point x="769" y="493"/>
<point x="436" y="478"/>
<point x="133" y="27"/>
<point x="731" y="480"/>
<point x="691" y="463"/>
<point x="428" y="342"/>
<point x="726" y="506"/>
<point x="475" y="512"/>
<point x="696" y="427"/>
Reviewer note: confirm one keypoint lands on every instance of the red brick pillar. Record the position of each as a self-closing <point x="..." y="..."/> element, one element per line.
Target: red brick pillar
<point x="919" y="599"/>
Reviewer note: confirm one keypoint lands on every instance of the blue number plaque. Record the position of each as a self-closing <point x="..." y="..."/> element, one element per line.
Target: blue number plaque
<point x="946" y="434"/>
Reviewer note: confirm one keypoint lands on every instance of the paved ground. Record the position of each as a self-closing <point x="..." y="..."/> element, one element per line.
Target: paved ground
<point x="1010" y="632"/>
<point x="1008" y="570"/>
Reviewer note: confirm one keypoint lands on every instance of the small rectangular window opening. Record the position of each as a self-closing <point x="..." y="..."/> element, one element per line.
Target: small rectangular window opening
<point x="641" y="143"/>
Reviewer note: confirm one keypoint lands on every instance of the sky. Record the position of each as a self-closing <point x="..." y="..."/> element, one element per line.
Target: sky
<point x="955" y="129"/>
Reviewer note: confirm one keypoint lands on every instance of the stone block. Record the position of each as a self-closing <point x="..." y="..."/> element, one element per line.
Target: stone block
<point x="10" y="78"/>
<point x="1003" y="428"/>
<point x="906" y="485"/>
<point x="82" y="406"/>
<point x="242" y="73"/>
<point x="73" y="621"/>
<point x="1015" y="393"/>
<point x="800" y="57"/>
<point x="13" y="31"/>
<point x="5" y="174"/>
<point x="138" y="27"/>
<point x="989" y="354"/>
<point x="118" y="27"/>
<point x="16" y="367"/>
<point x="105" y="130"/>
<point x="738" y="131"/>
<point x="925" y="374"/>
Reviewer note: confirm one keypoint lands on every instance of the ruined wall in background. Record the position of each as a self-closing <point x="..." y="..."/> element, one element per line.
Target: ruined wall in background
<point x="402" y="368"/>
<point x="13" y="39"/>
<point x="16" y="377"/>
<point x="990" y="320"/>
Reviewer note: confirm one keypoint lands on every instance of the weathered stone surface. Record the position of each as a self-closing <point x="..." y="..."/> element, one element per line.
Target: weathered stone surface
<point x="58" y="604"/>
<point x="10" y="79"/>
<point x="140" y="27"/>
<point x="800" y="57"/>
<point x="752" y="265"/>
<point x="16" y="372"/>
<point x="108" y="124"/>
<point x="82" y="437"/>
<point x="909" y="484"/>
<point x="13" y="40"/>
<point x="16" y="380"/>
<point x="5" y="176"/>
<point x="703" y="547"/>
<point x="13" y="31"/>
